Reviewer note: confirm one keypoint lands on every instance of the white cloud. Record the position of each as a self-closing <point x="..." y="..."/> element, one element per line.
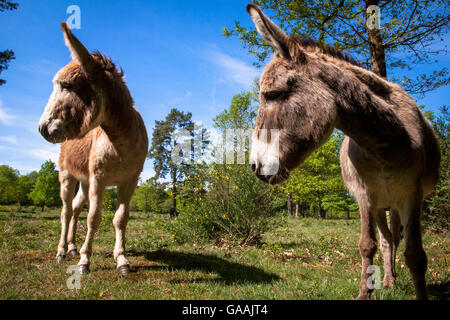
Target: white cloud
<point x="9" y="139"/>
<point x="24" y="168"/>
<point x="5" y="117"/>
<point x="233" y="69"/>
<point x="148" y="171"/>
<point x="4" y="148"/>
<point x="42" y="67"/>
<point x="45" y="154"/>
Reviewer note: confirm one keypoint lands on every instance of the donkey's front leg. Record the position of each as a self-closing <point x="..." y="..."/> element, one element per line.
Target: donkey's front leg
<point x="367" y="248"/>
<point x="96" y="190"/>
<point x="67" y="191"/>
<point x="77" y="205"/>
<point x="120" y="221"/>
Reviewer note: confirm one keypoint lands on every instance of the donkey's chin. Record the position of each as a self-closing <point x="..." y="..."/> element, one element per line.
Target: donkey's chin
<point x="280" y="176"/>
<point x="57" y="140"/>
<point x="53" y="130"/>
<point x="54" y="137"/>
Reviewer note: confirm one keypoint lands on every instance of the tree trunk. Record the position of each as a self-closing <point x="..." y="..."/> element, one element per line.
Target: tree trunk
<point x="174" y="190"/>
<point x="348" y="214"/>
<point x="289" y="205"/>
<point x="296" y="208"/>
<point x="320" y="211"/>
<point x="377" y="54"/>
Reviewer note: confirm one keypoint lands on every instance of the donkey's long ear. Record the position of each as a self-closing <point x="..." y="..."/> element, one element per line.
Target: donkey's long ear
<point x="269" y="30"/>
<point x="77" y="50"/>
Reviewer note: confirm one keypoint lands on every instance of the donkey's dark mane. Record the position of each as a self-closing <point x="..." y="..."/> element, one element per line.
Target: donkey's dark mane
<point x="107" y="64"/>
<point x="307" y="41"/>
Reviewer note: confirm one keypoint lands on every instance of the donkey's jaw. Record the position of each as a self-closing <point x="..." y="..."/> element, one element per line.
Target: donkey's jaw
<point x="281" y="175"/>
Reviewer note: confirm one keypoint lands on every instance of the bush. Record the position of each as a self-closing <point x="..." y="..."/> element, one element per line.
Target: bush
<point x="150" y="196"/>
<point x="237" y="207"/>
<point x="109" y="200"/>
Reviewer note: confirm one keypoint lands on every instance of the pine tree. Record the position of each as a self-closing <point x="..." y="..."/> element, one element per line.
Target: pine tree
<point x="164" y="142"/>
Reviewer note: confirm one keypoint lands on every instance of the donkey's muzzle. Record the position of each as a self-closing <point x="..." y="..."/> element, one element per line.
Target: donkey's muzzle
<point x="281" y="175"/>
<point x="52" y="131"/>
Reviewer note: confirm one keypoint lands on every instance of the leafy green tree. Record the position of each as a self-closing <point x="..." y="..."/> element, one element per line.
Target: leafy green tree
<point x="7" y="55"/>
<point x="15" y="188"/>
<point x="437" y="204"/>
<point x="411" y="34"/>
<point x="340" y="201"/>
<point x="8" y="182"/>
<point x="150" y="196"/>
<point x="240" y="115"/>
<point x="46" y="189"/>
<point x="143" y="196"/>
<point x="24" y="186"/>
<point x="319" y="175"/>
<point x="165" y="140"/>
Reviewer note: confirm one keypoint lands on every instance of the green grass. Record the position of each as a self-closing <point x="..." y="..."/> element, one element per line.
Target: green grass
<point x="310" y="259"/>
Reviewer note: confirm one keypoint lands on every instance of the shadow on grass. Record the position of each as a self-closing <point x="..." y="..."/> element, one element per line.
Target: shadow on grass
<point x="228" y="272"/>
<point x="439" y="291"/>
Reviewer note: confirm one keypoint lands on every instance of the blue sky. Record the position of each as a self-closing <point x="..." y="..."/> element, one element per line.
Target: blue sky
<point x="173" y="54"/>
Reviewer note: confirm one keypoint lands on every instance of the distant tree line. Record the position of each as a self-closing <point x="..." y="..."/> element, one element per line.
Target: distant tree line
<point x="36" y="188"/>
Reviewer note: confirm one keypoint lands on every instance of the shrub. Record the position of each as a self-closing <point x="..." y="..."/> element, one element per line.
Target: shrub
<point x="236" y="207"/>
<point x="109" y="200"/>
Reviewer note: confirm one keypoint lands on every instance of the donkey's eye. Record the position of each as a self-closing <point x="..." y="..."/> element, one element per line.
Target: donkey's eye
<point x="66" y="85"/>
<point x="275" y="95"/>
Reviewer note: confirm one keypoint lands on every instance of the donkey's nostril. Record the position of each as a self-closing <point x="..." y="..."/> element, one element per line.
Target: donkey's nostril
<point x="43" y="130"/>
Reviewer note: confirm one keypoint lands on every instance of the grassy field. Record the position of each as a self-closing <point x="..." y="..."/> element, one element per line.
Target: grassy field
<point x="310" y="259"/>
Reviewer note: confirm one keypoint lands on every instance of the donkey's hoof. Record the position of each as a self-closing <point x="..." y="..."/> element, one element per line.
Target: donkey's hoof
<point x="124" y="270"/>
<point x="83" y="269"/>
<point x="363" y="297"/>
<point x="388" y="283"/>
<point x="73" y="253"/>
<point x="60" y="258"/>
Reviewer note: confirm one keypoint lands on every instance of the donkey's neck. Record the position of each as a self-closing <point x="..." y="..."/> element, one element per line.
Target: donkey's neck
<point x="372" y="121"/>
<point x="119" y="116"/>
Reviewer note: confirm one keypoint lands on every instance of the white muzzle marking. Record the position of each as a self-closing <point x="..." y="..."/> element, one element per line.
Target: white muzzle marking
<point x="266" y="156"/>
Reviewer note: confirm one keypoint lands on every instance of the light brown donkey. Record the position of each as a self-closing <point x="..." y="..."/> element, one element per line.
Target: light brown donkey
<point x="390" y="157"/>
<point x="103" y="143"/>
